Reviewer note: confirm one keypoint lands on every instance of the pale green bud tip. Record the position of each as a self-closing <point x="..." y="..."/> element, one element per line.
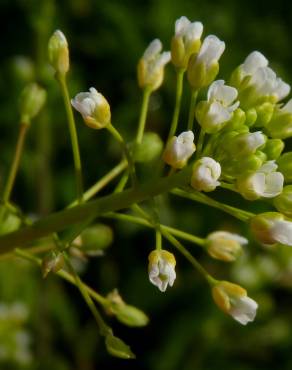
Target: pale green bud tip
<point x="59" y="52"/>
<point x="117" y="348"/>
<point x="150" y="148"/>
<point x="32" y="100"/>
<point x="93" y="107"/>
<point x="283" y="202"/>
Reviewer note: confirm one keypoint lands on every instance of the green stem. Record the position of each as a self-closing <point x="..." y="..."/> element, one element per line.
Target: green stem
<point x="189" y="257"/>
<point x="202" y="198"/>
<point x="60" y="220"/>
<point x="73" y="134"/>
<point x="200" y="143"/>
<point x="103" y="327"/>
<point x="120" y="139"/>
<point x="122" y="183"/>
<point x="141" y="221"/>
<point x="143" y="115"/>
<point x="16" y="160"/>
<point x="101" y="183"/>
<point x="179" y="89"/>
<point x="158" y="239"/>
<point x="194" y="96"/>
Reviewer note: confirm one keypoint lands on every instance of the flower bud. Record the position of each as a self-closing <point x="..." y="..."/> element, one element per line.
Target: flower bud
<point x="93" y="107"/>
<point x="233" y="300"/>
<point x="126" y="314"/>
<point x="206" y="172"/>
<point x="204" y="67"/>
<point x="265" y="182"/>
<point x="179" y="149"/>
<point x="96" y="238"/>
<point x="8" y="221"/>
<point x="283" y="202"/>
<point x="273" y="148"/>
<point x="247" y="143"/>
<point x="52" y="262"/>
<point x="264" y="114"/>
<point x="32" y="99"/>
<point x="285" y="166"/>
<point x="251" y="117"/>
<point x="213" y="114"/>
<point x="151" y="66"/>
<point x="149" y="149"/>
<point x="280" y="124"/>
<point x="237" y="121"/>
<point x="224" y="246"/>
<point x="117" y="348"/>
<point x="185" y="42"/>
<point x="59" y="52"/>
<point x="272" y="228"/>
<point x="161" y="269"/>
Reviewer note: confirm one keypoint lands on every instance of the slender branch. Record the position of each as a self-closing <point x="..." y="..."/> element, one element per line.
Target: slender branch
<point x="143" y="115"/>
<point x="200" y="143"/>
<point x="15" y="164"/>
<point x="73" y="134"/>
<point x="179" y="89"/>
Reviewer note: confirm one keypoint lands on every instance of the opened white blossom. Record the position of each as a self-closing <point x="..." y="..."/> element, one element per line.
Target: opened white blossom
<point x="233" y="300"/>
<point x="266" y="182"/>
<point x="225" y="246"/>
<point x="186" y="41"/>
<point x="204" y="67"/>
<point x="179" y="149"/>
<point x="151" y="66"/>
<point x="205" y="175"/>
<point x="93" y="107"/>
<point x="280" y="125"/>
<point x="214" y="113"/>
<point x="272" y="228"/>
<point x="161" y="269"/>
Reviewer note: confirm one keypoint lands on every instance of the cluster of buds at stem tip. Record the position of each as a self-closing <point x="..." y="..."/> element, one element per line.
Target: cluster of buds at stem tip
<point x="93" y="107"/>
<point x="204" y="67"/>
<point x="32" y="99"/>
<point x="233" y="300"/>
<point x="225" y="246"/>
<point x="185" y="42"/>
<point x="161" y="269"/>
<point x="214" y="113"/>
<point x="59" y="52"/>
<point x="272" y="228"/>
<point x="151" y="66"/>
<point x="266" y="182"/>
<point x="179" y="149"/>
<point x="205" y="175"/>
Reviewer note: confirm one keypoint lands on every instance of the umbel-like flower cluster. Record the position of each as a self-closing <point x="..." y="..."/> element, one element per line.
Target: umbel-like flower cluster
<point x="233" y="139"/>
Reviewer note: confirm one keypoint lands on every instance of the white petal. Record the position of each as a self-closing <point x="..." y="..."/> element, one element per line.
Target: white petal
<point x="194" y="31"/>
<point x="254" y="140"/>
<point x="274" y="184"/>
<point x="225" y="94"/>
<point x="218" y="114"/>
<point x="254" y="61"/>
<point x="228" y="236"/>
<point x="244" y="310"/>
<point x="268" y="167"/>
<point x="153" y="49"/>
<point x="282" y="89"/>
<point x="282" y="232"/>
<point x="181" y="25"/>
<point x="211" y="49"/>
<point x="287" y="107"/>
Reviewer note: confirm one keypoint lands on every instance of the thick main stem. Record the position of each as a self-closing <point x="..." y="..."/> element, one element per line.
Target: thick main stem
<point x="73" y="134"/>
<point x="179" y="89"/>
<point x="15" y="164"/>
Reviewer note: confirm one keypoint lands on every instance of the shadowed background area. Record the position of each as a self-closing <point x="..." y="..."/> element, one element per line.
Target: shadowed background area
<point x="53" y="327"/>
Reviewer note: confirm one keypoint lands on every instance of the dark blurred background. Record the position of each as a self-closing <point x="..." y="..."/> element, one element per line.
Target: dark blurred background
<point x="52" y="325"/>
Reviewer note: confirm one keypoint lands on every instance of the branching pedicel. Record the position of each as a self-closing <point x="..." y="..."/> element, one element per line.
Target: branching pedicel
<point x="237" y="144"/>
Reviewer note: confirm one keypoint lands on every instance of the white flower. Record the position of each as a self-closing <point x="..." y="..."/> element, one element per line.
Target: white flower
<point x="211" y="51"/>
<point x="186" y="41"/>
<point x="266" y="182"/>
<point x="93" y="107"/>
<point x="233" y="300"/>
<point x="254" y="61"/>
<point x="218" y="110"/>
<point x="206" y="172"/>
<point x="161" y="269"/>
<point x="204" y="67"/>
<point x="224" y="245"/>
<point x="271" y="228"/>
<point x="151" y="66"/>
<point x="179" y="149"/>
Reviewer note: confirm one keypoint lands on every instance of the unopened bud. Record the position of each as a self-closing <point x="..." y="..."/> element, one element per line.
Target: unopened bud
<point x="59" y="52"/>
<point x="149" y="149"/>
<point x="117" y="348"/>
<point x="285" y="166"/>
<point x="179" y="149"/>
<point x="96" y="238"/>
<point x="283" y="202"/>
<point x="273" y="148"/>
<point x="32" y="99"/>
<point x="8" y="221"/>
<point x="264" y="114"/>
